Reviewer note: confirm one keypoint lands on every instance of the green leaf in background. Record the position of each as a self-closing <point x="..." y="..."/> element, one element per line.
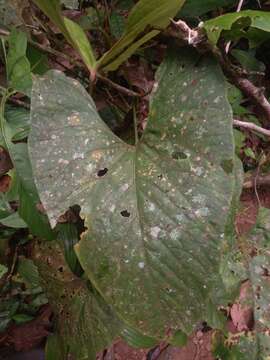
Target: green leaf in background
<point x="81" y="44"/>
<point x="117" y="25"/>
<point x="71" y="30"/>
<point x="5" y="209"/>
<point x="18" y="120"/>
<point x="248" y="60"/>
<point x="37" y="59"/>
<point x="3" y="270"/>
<point x="85" y="323"/>
<point x="194" y="8"/>
<point x="179" y="339"/>
<point x="30" y="208"/>
<point x="55" y="349"/>
<point x="29" y="272"/>
<point x="256" y="344"/>
<point x="144" y="252"/>
<point x="14" y="221"/>
<point x="153" y="13"/>
<point x="18" y="66"/>
<point x="259" y="20"/>
<point x="22" y="318"/>
<point x="68" y="237"/>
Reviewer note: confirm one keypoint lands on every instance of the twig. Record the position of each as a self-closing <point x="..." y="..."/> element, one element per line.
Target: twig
<point x="118" y="87"/>
<point x="19" y="102"/>
<point x="252" y="127"/>
<point x="260" y="181"/>
<point x="239" y="7"/>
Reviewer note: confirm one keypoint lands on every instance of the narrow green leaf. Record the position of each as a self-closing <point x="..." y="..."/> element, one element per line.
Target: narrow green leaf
<point x="52" y="9"/>
<point x="81" y="43"/>
<point x="22" y="318"/>
<point x="68" y="237"/>
<point x="156" y="212"/>
<point x="146" y="13"/>
<point x="71" y="30"/>
<point x="3" y="270"/>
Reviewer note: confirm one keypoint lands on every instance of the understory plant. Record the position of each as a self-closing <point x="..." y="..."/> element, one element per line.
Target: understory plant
<point x="133" y="233"/>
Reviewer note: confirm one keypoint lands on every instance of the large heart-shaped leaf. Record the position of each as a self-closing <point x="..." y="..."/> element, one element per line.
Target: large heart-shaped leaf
<point x="155" y="212"/>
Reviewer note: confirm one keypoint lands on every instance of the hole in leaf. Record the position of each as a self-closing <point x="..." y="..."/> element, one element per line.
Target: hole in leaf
<point x="125" y="213"/>
<point x="227" y="166"/>
<point x="160" y="177"/>
<point x="179" y="155"/>
<point x="102" y="172"/>
<point x="60" y="269"/>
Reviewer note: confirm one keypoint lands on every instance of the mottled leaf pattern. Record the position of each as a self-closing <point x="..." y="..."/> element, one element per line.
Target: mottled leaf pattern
<point x="156" y="212"/>
<point x="85" y="322"/>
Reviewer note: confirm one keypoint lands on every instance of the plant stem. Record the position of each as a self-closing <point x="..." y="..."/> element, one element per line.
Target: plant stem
<point x="135" y="125"/>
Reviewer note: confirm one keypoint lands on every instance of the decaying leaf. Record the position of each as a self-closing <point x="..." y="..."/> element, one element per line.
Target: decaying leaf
<point x="84" y="321"/>
<point x="155" y="213"/>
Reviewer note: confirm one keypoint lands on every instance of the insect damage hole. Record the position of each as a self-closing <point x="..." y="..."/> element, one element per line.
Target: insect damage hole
<point x="125" y="213"/>
<point x="102" y="172"/>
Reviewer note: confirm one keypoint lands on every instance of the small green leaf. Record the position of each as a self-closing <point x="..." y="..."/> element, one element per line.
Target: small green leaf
<point x="22" y="318"/>
<point x="29" y="272"/>
<point x="250" y="153"/>
<point x="14" y="221"/>
<point x="3" y="270"/>
<point x="117" y="25"/>
<point x="81" y="43"/>
<point x="179" y="339"/>
<point x="18" y="66"/>
<point x="247" y="18"/>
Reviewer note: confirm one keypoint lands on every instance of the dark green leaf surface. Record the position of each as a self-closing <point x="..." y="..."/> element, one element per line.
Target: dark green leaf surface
<point x="193" y="8"/>
<point x="155" y="213"/>
<point x="85" y="322"/>
<point x="18" y="66"/>
<point x="259" y="269"/>
<point x="29" y="199"/>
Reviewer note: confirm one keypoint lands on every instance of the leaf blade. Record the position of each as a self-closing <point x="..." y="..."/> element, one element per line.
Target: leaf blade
<point x="133" y="190"/>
